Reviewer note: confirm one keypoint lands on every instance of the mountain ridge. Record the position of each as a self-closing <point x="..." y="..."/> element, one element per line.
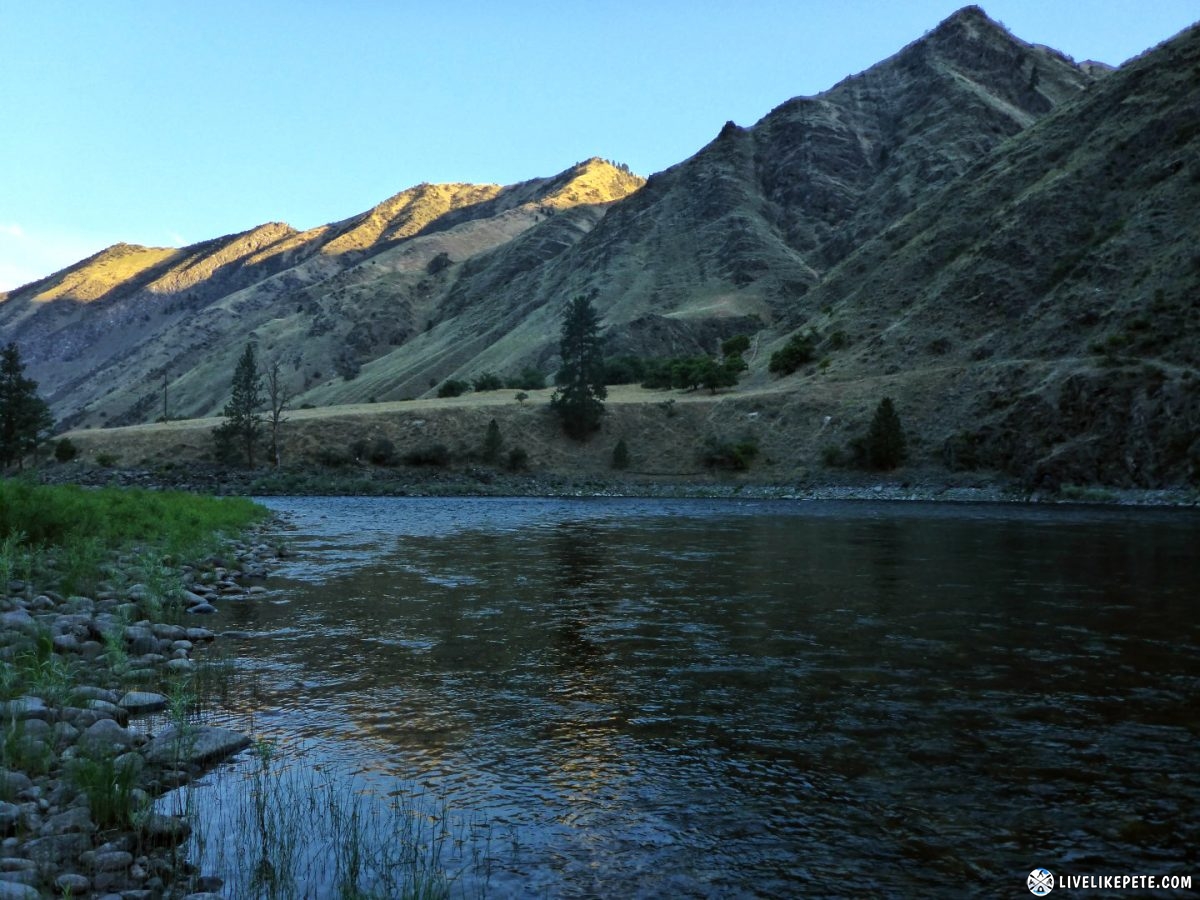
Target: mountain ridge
<point x="875" y="215"/>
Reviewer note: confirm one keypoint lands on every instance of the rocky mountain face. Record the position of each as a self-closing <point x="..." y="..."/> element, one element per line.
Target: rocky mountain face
<point x="1000" y="237"/>
<point x="105" y="336"/>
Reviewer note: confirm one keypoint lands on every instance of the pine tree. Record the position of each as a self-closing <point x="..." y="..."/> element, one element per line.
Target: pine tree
<point x="240" y="432"/>
<point x="886" y="444"/>
<point x="620" y="455"/>
<point x="24" y="416"/>
<point x="579" y="398"/>
<point x="492" y="442"/>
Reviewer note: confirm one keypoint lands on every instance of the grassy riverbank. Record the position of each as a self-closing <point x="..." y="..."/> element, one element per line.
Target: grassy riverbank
<point x="94" y="586"/>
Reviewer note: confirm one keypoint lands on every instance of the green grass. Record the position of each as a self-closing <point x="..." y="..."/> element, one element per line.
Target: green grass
<point x="68" y="532"/>
<point x="108" y="783"/>
<point x="117" y="517"/>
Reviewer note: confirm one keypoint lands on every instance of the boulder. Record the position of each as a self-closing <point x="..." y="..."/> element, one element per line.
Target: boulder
<point x="139" y="702"/>
<point x="105" y="736"/>
<point x="14" y="890"/>
<point x="71" y="884"/>
<point x="194" y="745"/>
<point x="159" y="830"/>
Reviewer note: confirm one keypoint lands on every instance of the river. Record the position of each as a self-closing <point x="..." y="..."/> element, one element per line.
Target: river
<point x="653" y="698"/>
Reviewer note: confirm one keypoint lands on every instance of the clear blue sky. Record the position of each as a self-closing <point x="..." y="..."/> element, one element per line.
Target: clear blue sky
<point x="170" y="123"/>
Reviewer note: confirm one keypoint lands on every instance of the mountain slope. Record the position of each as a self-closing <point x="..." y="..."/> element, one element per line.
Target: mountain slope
<point x="732" y="239"/>
<point x="1057" y="284"/>
<point x="102" y="336"/>
<point x="999" y="238"/>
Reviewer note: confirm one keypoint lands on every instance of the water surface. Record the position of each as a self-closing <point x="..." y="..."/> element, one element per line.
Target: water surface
<point x="649" y="698"/>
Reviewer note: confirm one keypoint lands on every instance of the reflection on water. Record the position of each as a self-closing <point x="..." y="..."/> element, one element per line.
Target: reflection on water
<point x="704" y="699"/>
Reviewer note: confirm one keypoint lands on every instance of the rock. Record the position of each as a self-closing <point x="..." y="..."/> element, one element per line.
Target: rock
<point x="17" y="620"/>
<point x="66" y="643"/>
<point x="26" y="708"/>
<point x="194" y="745"/>
<point x="13" y="783"/>
<point x="141" y="640"/>
<point x="105" y="736"/>
<point x="65" y="734"/>
<point x="77" y="818"/>
<point x="164" y="831"/>
<point x="10" y="817"/>
<point x="89" y="692"/>
<point x="108" y="709"/>
<point x="107" y="860"/>
<point x="170" y="632"/>
<point x="12" y="890"/>
<point x="38" y="729"/>
<point x="70" y="884"/>
<point x="203" y="895"/>
<point x="51" y="852"/>
<point x="138" y="702"/>
<point x="199" y="635"/>
<point x="180" y="665"/>
<point x="202" y="609"/>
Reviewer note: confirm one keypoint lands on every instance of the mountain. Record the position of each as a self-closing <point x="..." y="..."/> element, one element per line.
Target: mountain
<point x="998" y="237"/>
<point x="103" y="335"/>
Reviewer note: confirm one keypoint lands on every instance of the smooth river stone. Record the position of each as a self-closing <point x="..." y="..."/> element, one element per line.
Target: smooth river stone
<point x="194" y="745"/>
<point x="138" y="702"/>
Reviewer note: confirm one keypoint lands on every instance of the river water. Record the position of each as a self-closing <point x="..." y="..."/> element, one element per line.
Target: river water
<point x="654" y="698"/>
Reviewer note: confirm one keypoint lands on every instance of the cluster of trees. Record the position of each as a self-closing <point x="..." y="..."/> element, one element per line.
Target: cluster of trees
<point x="682" y="372"/>
<point x="238" y="437"/>
<point x="25" y="420"/>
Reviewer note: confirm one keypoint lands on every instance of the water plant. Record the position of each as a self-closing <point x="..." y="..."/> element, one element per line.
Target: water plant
<point x="108" y="782"/>
<point x="276" y="826"/>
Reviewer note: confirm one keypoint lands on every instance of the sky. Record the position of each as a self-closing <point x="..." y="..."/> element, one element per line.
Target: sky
<point x="166" y="124"/>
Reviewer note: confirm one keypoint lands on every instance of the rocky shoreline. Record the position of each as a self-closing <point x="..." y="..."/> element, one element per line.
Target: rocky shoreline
<point x="80" y="765"/>
<point x="909" y="485"/>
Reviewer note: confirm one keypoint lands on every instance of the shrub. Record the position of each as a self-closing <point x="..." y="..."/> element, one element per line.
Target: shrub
<point x="529" y="379"/>
<point x="382" y="453"/>
<point x="492" y="442"/>
<point x="333" y="459"/>
<point x="107" y="460"/>
<point x="886" y="446"/>
<point x="428" y="455"/>
<point x="488" y="381"/>
<point x="657" y="374"/>
<point x="358" y="450"/>
<point x="521" y="396"/>
<point x="65" y="450"/>
<point x="518" y="459"/>
<point x="736" y="345"/>
<point x="453" y="388"/>
<point x="620" y="455"/>
<point x="727" y="455"/>
<point x="799" y="350"/>
<point x="624" y="369"/>
<point x="439" y="263"/>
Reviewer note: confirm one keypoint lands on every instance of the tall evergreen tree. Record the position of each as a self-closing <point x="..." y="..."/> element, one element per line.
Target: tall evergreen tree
<point x="579" y="398"/>
<point x="493" y="442"/>
<point x="886" y="445"/>
<point x="24" y="416"/>
<point x="238" y="435"/>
